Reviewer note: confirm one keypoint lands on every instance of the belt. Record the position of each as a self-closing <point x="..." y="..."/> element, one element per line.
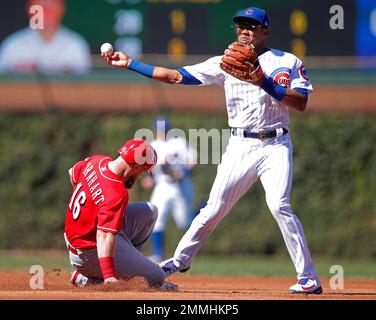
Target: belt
<point x="267" y="134"/>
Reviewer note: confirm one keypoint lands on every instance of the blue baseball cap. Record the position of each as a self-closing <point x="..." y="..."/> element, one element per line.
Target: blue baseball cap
<point x="253" y="13"/>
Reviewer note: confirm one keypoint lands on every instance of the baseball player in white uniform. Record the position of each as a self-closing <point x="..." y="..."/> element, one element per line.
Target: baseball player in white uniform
<point x="173" y="190"/>
<point x="259" y="147"/>
<point x="53" y="49"/>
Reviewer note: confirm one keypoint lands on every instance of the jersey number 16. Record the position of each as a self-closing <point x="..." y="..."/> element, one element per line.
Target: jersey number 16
<point x="77" y="200"/>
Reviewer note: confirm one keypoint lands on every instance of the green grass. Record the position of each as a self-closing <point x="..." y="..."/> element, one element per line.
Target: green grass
<point x="22" y="260"/>
<point x="278" y="266"/>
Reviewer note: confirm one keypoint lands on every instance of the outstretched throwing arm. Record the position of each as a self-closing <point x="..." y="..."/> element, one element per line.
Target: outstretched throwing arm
<point x="122" y="60"/>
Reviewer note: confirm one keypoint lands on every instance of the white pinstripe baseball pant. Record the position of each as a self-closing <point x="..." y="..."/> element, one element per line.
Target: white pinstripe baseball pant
<point x="244" y="162"/>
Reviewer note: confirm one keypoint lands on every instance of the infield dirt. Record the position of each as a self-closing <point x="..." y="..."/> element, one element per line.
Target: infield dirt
<point x="16" y="285"/>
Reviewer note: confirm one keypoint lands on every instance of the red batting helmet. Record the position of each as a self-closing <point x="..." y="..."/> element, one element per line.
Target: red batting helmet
<point x="140" y="152"/>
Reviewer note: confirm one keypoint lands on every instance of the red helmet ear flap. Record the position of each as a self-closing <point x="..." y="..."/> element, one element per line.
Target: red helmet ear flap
<point x="151" y="159"/>
<point x="140" y="152"/>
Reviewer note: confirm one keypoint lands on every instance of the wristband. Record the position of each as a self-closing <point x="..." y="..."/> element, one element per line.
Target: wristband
<point x="276" y="91"/>
<point x="145" y="69"/>
<point x="107" y="267"/>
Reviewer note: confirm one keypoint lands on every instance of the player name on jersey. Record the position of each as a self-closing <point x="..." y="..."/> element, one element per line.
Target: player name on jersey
<point x="95" y="189"/>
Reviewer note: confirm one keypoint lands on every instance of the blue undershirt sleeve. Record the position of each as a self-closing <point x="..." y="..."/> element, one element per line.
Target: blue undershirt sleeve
<point x="304" y="92"/>
<point x="188" y="79"/>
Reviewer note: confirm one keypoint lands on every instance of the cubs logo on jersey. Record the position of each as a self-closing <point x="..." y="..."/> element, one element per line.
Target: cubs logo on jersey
<point x="303" y="73"/>
<point x="282" y="76"/>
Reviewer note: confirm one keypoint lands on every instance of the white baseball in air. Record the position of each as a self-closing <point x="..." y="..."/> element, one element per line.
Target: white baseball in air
<point x="107" y="48"/>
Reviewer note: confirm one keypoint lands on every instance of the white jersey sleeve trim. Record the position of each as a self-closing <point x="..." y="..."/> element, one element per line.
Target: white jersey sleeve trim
<point x="72" y="176"/>
<point x="108" y="229"/>
<point x="299" y="77"/>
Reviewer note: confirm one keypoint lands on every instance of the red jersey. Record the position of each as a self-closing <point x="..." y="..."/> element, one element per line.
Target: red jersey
<point x="98" y="202"/>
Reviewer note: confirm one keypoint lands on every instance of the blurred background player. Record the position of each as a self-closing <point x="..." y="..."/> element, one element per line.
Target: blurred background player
<point x="173" y="190"/>
<point x="104" y="235"/>
<point x="53" y="49"/>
